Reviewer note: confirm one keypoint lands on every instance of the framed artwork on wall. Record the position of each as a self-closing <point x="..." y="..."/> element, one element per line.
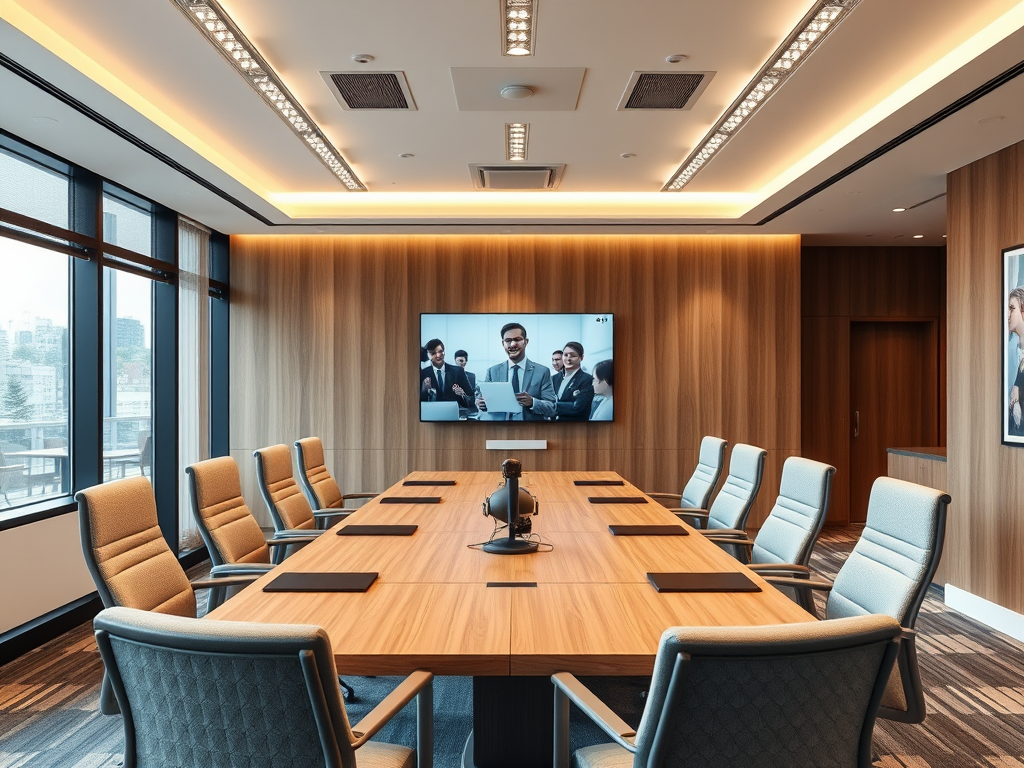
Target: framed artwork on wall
<point x="1013" y="346"/>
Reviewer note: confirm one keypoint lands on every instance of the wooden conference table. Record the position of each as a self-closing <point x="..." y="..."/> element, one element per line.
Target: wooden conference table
<point x="441" y="606"/>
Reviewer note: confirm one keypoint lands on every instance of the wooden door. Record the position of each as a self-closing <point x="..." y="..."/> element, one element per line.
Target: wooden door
<point x="894" y="398"/>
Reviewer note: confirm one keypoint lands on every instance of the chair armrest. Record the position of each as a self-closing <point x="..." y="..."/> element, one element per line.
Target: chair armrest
<point x="724" y="533"/>
<point x="661" y="498"/>
<point x="786" y="581"/>
<point x="359" y="495"/>
<point x="240" y="569"/>
<point x="225" y="581"/>
<point x="613" y="725"/>
<point x="288" y="541"/>
<point x="297" y="533"/>
<point x="781" y="569"/>
<point x="378" y="717"/>
<point x="324" y="514"/>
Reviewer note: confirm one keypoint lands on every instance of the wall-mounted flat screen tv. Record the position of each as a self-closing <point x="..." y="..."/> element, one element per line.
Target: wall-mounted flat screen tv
<point x="516" y="367"/>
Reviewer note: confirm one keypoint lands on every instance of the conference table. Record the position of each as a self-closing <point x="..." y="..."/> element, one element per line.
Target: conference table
<point x="583" y="606"/>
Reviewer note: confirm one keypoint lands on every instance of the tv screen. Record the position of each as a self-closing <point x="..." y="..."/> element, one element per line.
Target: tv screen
<point x="516" y="367"/>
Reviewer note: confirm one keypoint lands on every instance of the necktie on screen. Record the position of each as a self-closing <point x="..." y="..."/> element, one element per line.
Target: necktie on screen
<point x="440" y="379"/>
<point x="515" y="379"/>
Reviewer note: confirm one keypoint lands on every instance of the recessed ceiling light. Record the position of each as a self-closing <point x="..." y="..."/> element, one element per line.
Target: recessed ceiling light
<point x="943" y="235"/>
<point x="627" y="155"/>
<point x="516" y="92"/>
<point x="407" y="155"/>
<point x="516" y="137"/>
<point x="518" y="27"/>
<point x="362" y="58"/>
<point x="675" y="58"/>
<point x="218" y="28"/>
<point x="801" y="42"/>
<point x="918" y="237"/>
<point x="898" y="210"/>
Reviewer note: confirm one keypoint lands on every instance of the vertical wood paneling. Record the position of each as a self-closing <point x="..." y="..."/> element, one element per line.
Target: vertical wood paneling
<point x="325" y="336"/>
<point x="985" y="535"/>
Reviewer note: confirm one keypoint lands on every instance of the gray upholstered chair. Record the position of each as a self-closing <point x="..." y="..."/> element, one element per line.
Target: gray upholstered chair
<point x="784" y="544"/>
<point x="130" y="562"/>
<point x="319" y="487"/>
<point x="288" y="507"/>
<point x="217" y="693"/>
<point x="702" y="482"/>
<point x="889" y="572"/>
<point x="230" y="532"/>
<point x="732" y="504"/>
<point x="757" y="697"/>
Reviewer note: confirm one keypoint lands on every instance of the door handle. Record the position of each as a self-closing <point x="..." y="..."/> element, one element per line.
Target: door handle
<point x="856" y="423"/>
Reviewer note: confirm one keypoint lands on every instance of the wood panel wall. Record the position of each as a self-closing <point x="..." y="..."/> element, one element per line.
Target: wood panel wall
<point x="840" y="285"/>
<point x="325" y="341"/>
<point x="985" y="535"/>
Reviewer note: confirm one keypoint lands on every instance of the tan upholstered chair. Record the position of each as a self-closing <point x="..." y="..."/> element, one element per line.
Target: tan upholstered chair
<point x="129" y="560"/>
<point x="757" y="697"/>
<point x="231" y="533"/>
<point x="317" y="484"/>
<point x="291" y="513"/>
<point x="257" y="694"/>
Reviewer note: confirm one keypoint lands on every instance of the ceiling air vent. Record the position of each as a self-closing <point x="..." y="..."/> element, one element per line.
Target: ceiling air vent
<point x="664" y="90"/>
<point x="512" y="177"/>
<point x="370" y="90"/>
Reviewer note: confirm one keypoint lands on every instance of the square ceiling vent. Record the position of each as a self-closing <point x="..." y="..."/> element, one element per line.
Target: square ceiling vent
<point x="370" y="90"/>
<point x="516" y="177"/>
<point x="664" y="90"/>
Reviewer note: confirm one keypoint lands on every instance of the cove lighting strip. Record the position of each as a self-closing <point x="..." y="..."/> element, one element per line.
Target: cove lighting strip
<point x="518" y="27"/>
<point x="227" y="38"/>
<point x="802" y="41"/>
<point x="516" y="136"/>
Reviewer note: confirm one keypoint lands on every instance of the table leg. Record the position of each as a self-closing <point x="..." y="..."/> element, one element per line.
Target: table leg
<point x="513" y="724"/>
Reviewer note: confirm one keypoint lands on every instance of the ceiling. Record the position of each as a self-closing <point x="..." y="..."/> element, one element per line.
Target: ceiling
<point x="75" y="69"/>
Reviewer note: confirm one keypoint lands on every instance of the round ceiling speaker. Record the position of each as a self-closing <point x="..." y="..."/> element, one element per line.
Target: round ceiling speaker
<point x="516" y="92"/>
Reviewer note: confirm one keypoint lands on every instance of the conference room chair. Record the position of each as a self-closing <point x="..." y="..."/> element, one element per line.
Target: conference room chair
<point x="732" y="504"/>
<point x="757" y="697"/>
<point x="784" y="544"/>
<point x="320" y="489"/>
<point x="216" y="693"/>
<point x="888" y="572"/>
<point x="230" y="532"/>
<point x="130" y="562"/>
<point x="288" y="507"/>
<point x="12" y="476"/>
<point x="697" y="492"/>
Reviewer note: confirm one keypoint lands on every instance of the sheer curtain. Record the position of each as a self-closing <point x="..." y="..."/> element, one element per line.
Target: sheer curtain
<point x="193" y="366"/>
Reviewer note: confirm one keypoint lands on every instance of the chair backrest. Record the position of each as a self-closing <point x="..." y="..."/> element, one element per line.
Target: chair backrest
<point x="317" y="484"/>
<point x="287" y="506"/>
<point x="732" y="504"/>
<point x="145" y="452"/>
<point x="895" y="559"/>
<point x="126" y="553"/>
<point x="791" y="528"/>
<point x="705" y="476"/>
<point x="216" y="714"/>
<point x="796" y="694"/>
<point x="226" y="524"/>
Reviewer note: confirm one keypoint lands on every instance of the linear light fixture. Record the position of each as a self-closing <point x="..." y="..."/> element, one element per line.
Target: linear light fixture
<point x="516" y="136"/>
<point x="227" y="38"/>
<point x="518" y="27"/>
<point x="801" y="42"/>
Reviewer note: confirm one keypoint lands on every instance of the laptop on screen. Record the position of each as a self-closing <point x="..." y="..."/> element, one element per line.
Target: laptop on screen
<point x="443" y="410"/>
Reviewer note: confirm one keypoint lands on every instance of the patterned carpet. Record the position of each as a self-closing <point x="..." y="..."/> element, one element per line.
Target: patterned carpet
<point x="974" y="676"/>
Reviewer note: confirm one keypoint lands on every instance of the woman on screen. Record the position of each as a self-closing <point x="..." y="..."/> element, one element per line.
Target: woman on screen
<point x="1015" y="325"/>
<point x="603" y="381"/>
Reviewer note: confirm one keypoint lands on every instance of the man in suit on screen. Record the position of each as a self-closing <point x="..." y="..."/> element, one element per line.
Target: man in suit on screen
<point x="530" y="382"/>
<point x="574" y="388"/>
<point x="441" y="381"/>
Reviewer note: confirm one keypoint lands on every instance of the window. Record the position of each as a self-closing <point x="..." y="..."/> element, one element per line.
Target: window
<point x="35" y="392"/>
<point x="33" y="189"/>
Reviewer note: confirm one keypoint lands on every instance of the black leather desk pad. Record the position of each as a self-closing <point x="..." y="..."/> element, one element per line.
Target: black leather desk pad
<point x="598" y="482"/>
<point x="648" y="530"/>
<point x="297" y="581"/>
<point x="377" y="530"/>
<point x="723" y="581"/>
<point x="429" y="482"/>
<point x="410" y="500"/>
<point x="616" y="499"/>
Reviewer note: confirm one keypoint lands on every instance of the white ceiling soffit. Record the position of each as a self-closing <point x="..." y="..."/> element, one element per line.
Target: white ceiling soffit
<point x="555" y="89"/>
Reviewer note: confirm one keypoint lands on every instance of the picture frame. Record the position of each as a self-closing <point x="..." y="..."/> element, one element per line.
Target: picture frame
<point x="1012" y="379"/>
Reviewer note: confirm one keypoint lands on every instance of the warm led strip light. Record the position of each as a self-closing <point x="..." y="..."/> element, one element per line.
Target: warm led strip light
<point x="807" y="36"/>
<point x="518" y="25"/>
<point x="220" y="30"/>
<point x="516" y="136"/>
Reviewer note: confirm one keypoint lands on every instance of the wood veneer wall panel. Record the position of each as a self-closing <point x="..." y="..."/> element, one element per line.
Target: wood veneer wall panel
<point x="707" y="342"/>
<point x="985" y="535"/>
